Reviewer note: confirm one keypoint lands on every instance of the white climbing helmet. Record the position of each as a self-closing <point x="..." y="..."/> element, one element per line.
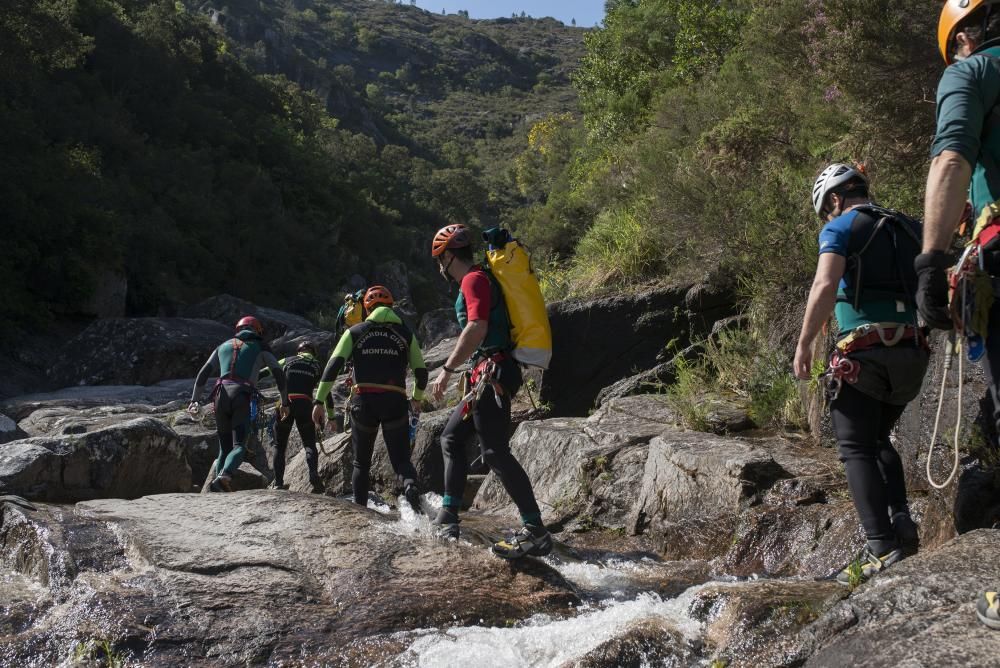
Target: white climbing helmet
<point x="835" y="175"/>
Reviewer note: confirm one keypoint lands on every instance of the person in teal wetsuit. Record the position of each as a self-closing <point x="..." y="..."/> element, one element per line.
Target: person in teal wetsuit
<point x="965" y="166"/>
<point x="237" y="363"/>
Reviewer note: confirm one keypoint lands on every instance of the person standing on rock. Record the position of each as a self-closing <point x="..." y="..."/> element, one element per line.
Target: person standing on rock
<point x="866" y="279"/>
<point x="237" y="363"/>
<point x="495" y="379"/>
<point x="302" y="373"/>
<point x="382" y="348"/>
<point x="965" y="166"/>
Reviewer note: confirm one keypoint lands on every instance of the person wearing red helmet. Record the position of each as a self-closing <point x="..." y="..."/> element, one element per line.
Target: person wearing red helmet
<point x="485" y="339"/>
<point x="237" y="363"/>
<point x="382" y="348"/>
<point x="965" y="165"/>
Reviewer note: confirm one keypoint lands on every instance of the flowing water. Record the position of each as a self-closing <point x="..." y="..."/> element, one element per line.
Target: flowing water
<point x="611" y="607"/>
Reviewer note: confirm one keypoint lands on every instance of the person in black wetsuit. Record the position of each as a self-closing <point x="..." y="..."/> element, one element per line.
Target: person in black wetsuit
<point x="382" y="348"/>
<point x="485" y="338"/>
<point x="238" y="362"/>
<point x="865" y="277"/>
<point x="302" y="373"/>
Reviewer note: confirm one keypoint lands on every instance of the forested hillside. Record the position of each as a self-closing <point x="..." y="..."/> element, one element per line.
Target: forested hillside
<point x="266" y="149"/>
<point x="702" y="133"/>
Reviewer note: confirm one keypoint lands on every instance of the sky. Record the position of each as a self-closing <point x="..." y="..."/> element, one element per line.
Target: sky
<point x="586" y="12"/>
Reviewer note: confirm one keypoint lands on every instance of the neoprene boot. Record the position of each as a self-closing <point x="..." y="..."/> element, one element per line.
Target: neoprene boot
<point x="447" y="523"/>
<point x="530" y="540"/>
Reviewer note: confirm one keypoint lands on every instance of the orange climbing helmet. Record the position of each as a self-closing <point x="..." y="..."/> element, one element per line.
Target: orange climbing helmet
<point x="250" y="322"/>
<point x="953" y="13"/>
<point x="377" y="295"/>
<point x="450" y="236"/>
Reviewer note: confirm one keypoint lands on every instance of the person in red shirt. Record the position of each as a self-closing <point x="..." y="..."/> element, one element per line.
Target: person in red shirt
<point x="495" y="378"/>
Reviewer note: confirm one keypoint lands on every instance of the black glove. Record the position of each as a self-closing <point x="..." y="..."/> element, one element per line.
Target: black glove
<point x="932" y="288"/>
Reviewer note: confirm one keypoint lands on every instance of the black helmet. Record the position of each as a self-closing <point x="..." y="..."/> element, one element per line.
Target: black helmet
<point x="307" y="347"/>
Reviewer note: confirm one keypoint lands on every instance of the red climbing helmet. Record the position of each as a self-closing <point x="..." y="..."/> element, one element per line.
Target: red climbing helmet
<point x="377" y="295"/>
<point x="448" y="237"/>
<point x="248" y="321"/>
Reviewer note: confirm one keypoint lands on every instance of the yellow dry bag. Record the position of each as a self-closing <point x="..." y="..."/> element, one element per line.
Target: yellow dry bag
<point x="530" y="331"/>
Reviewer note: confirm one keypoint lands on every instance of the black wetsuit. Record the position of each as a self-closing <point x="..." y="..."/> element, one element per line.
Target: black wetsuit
<point x="382" y="348"/>
<point x="302" y="373"/>
<point x="480" y="299"/>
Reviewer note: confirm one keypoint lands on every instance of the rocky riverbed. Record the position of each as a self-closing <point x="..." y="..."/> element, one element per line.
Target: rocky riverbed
<point x="674" y="547"/>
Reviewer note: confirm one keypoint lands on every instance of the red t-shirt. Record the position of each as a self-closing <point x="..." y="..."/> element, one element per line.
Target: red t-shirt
<point x="477" y="291"/>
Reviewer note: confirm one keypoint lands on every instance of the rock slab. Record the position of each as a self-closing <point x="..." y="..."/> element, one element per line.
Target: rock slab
<point x="138" y="457"/>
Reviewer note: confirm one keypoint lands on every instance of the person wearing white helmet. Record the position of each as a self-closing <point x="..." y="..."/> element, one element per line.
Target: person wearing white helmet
<point x="965" y="166"/>
<point x="865" y="278"/>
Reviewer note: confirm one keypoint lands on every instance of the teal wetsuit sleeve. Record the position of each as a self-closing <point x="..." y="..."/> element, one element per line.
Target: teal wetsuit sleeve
<point x="419" y="368"/>
<point x="212" y="365"/>
<point x="963" y="98"/>
<point x="343" y="351"/>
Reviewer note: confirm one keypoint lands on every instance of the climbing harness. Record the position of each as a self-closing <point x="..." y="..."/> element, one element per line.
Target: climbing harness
<point x="840" y="368"/>
<point x="483" y="375"/>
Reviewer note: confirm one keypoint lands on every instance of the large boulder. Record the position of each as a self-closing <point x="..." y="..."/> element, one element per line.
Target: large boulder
<point x="248" y="578"/>
<point x="585" y="469"/>
<point x="436" y="355"/>
<point x="756" y="505"/>
<point x="287" y="344"/>
<point x="601" y="341"/>
<point x="9" y="431"/>
<point x="336" y="461"/>
<point x="164" y="393"/>
<point x="227" y="310"/>
<point x="755" y="623"/>
<point x="141" y="456"/>
<point x="137" y="351"/>
<point x="437" y="325"/>
<point x="920" y="612"/>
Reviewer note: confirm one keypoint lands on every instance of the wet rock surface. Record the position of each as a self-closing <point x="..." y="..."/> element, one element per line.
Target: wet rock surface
<point x="755" y="623"/>
<point x="759" y="505"/>
<point x="249" y="578"/>
<point x="138" y="457"/>
<point x="920" y="612"/>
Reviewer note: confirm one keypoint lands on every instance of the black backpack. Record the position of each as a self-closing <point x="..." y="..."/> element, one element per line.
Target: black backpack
<point x="880" y="254"/>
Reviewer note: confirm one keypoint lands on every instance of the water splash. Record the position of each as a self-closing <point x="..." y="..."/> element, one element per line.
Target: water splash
<point x="546" y="641"/>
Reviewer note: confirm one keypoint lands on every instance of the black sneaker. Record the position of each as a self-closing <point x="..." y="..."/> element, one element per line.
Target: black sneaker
<point x="906" y="533"/>
<point x="988" y="609"/>
<point x="317" y="486"/>
<point x="412" y="495"/>
<point x="531" y="539"/>
<point x="866" y="565"/>
<point x="447" y="524"/>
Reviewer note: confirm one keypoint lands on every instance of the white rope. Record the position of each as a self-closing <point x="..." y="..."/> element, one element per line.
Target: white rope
<point x="950" y="349"/>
